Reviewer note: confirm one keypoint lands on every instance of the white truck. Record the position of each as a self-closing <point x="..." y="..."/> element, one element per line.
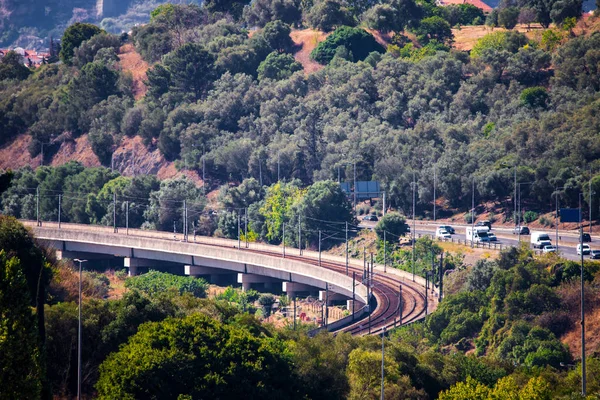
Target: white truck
<point x="477" y="234"/>
<point x="540" y="239"/>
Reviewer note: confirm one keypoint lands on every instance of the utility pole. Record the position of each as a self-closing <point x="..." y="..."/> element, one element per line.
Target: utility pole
<point x="326" y="304"/>
<point x="59" y="197"/>
<point x="590" y="188"/>
<point x="384" y="252"/>
<point x="515" y="197"/>
<point x="383" y="208"/>
<point x="37" y="205"/>
<point x="239" y="237"/>
<point x="346" y="247"/>
<point x="413" y="233"/>
<point x="299" y="235"/>
<point x="434" y="184"/>
<point x="294" y="312"/>
<point x="441" y="277"/>
<point x="203" y="174"/>
<point x="353" y="292"/>
<point x="115" y="212"/>
<point x="278" y="179"/>
<point x="127" y="217"/>
<point x="260" y="171"/>
<point x="472" y="212"/>
<point x="246" y="225"/>
<point x="401" y="305"/>
<point x="354" y="188"/>
<point x="283" y="239"/>
<point x="583" y="370"/>
<point x="382" y="360"/>
<point x="319" y="247"/>
<point x="184" y="222"/>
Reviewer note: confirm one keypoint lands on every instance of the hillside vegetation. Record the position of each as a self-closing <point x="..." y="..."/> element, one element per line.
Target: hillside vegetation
<point x="239" y="105"/>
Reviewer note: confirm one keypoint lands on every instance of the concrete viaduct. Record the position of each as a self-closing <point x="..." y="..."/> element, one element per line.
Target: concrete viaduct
<point x="382" y="299"/>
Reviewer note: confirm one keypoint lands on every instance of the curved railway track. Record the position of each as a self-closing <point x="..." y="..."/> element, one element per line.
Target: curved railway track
<point x="386" y="297"/>
<point x="385" y="301"/>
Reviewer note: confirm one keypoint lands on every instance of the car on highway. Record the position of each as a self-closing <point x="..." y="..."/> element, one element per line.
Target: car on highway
<point x="370" y="218"/>
<point x="523" y="230"/>
<point x="492" y="237"/>
<point x="585" y="249"/>
<point x="586" y="238"/>
<point x="595" y="254"/>
<point x="448" y="229"/>
<point x="442" y="234"/>
<point x="549" y="249"/>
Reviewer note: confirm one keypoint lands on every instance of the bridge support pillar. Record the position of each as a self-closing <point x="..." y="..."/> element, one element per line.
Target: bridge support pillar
<point x="247" y="280"/>
<point x="215" y="276"/>
<point x="332" y="298"/>
<point x="293" y="288"/>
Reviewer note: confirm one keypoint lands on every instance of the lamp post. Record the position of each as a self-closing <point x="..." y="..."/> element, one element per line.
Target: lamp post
<point x="519" y="210"/>
<point x="79" y="335"/>
<point x="555" y="194"/>
<point x="583" y="370"/>
<point x="413" y="233"/>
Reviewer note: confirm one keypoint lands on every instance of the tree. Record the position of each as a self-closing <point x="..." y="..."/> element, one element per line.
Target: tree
<point x="323" y="204"/>
<point x="393" y="223"/>
<point x="88" y="49"/>
<point x="326" y="15"/>
<point x="231" y="7"/>
<point x="260" y="12"/>
<point x="11" y="67"/>
<point x="197" y="357"/>
<point x="156" y="282"/>
<point x="278" y="66"/>
<point x="357" y="41"/>
<point x="277" y="35"/>
<point x="434" y="28"/>
<point x="191" y="69"/>
<point x="165" y="211"/>
<point x="527" y="16"/>
<point x="20" y="365"/>
<point x="382" y="17"/>
<point x="534" y="97"/>
<point x="508" y="17"/>
<point x="565" y="9"/>
<point x="73" y="37"/>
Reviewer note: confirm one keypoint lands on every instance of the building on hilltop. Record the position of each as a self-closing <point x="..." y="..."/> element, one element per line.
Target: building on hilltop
<point x="31" y="58"/>
<point x="477" y="3"/>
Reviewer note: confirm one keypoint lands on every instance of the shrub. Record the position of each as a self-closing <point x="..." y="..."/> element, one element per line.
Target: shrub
<point x="534" y="97"/>
<point x="530" y="216"/>
<point x="469" y="218"/>
<point x="155" y="282"/>
<point x="357" y="41"/>
<point x="508" y="17"/>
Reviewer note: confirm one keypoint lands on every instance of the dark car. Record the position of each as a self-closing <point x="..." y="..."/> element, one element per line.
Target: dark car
<point x="586" y="238"/>
<point x="595" y="254"/>
<point x="370" y="218"/>
<point x="523" y="230"/>
<point x="484" y="223"/>
<point x="448" y="229"/>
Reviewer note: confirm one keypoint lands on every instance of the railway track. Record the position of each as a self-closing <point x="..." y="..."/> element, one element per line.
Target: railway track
<point x="385" y="301"/>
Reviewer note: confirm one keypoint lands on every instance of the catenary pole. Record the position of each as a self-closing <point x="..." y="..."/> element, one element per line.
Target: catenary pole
<point x="583" y="369"/>
<point x="59" y="198"/>
<point x="346" y="248"/>
<point x="413" y="233"/>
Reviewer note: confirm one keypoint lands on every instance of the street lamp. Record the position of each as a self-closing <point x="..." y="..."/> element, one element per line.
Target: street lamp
<point x="583" y="370"/>
<point x="555" y="194"/>
<point x="519" y="210"/>
<point x="79" y="335"/>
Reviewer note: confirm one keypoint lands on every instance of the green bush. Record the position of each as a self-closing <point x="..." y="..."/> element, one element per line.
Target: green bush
<point x="530" y="216"/>
<point x="155" y="282"/>
<point x="534" y="97"/>
<point x="357" y="41"/>
<point x="469" y="218"/>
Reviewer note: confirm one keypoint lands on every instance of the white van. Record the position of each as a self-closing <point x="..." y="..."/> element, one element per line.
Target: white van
<point x="540" y="239"/>
<point x="478" y="234"/>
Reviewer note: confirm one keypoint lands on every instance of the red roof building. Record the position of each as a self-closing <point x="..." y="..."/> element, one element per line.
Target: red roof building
<point x="30" y="57"/>
<point x="477" y="3"/>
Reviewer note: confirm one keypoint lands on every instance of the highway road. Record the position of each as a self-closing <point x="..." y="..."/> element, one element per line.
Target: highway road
<point x="568" y="240"/>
